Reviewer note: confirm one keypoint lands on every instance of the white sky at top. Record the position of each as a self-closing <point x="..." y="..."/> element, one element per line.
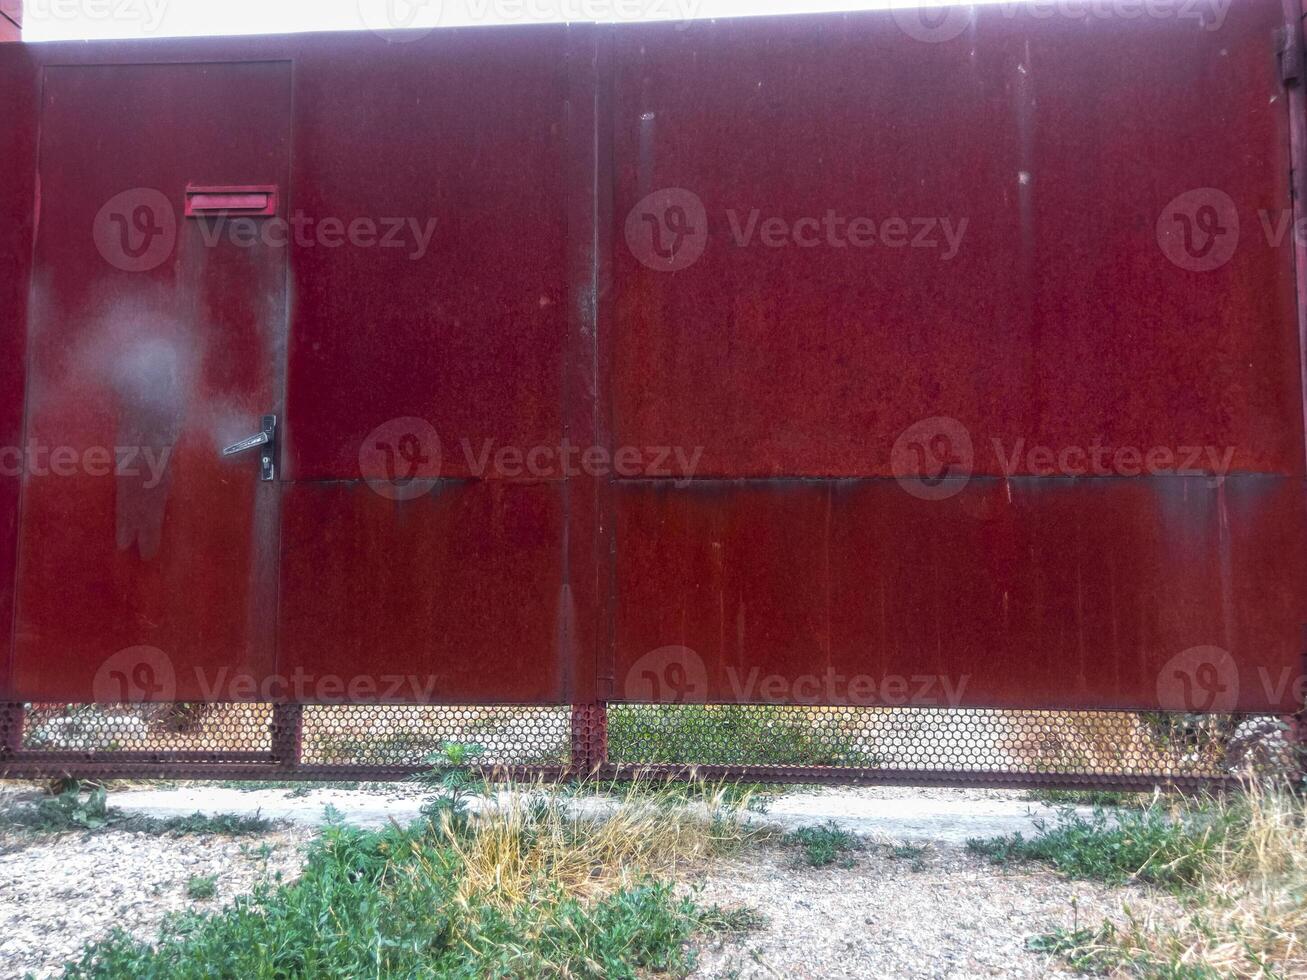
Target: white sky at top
<point x="48" y="20"/>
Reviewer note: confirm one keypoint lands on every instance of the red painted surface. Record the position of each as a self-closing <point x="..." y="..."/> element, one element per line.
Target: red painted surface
<point x="461" y="591"/>
<point x="800" y="590"/>
<point x="514" y="314"/>
<point x="178" y="554"/>
<point x="1059" y="321"/>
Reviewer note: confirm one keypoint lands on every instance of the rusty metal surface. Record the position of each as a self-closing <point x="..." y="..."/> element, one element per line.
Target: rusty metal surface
<point x="462" y="321"/>
<point x="11" y="20"/>
<point x="1036" y="436"/>
<point x="448" y="597"/>
<point x="1075" y="594"/>
<point x="790" y="347"/>
<point x="149" y="350"/>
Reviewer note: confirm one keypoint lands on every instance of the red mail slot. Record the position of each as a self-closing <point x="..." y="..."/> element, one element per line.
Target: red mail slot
<point x="249" y="201"/>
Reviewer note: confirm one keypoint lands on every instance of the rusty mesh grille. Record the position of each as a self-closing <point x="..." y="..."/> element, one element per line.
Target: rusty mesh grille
<point x="1104" y="744"/>
<point x="364" y="735"/>
<point x="809" y="744"/>
<point x="187" y="728"/>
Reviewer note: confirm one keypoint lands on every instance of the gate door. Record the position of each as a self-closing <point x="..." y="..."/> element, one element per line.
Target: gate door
<point x="146" y="556"/>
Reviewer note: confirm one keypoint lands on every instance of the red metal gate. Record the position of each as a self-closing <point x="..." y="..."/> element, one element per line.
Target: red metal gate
<point x="899" y="395"/>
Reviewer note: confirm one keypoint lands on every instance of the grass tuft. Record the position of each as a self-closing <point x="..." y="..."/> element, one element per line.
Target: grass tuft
<point x="199" y="887"/>
<point x="823" y="844"/>
<point x="1151" y="845"/>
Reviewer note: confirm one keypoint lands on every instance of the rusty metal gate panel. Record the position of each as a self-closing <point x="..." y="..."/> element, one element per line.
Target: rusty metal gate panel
<point x="973" y="426"/>
<point x="897" y="396"/>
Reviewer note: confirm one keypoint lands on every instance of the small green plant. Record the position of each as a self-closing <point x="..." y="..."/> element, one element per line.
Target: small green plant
<point x="70" y="810"/>
<point x="1148" y="845"/>
<point x="222" y="824"/>
<point x="1089" y="797"/>
<point x="823" y="844"/>
<point x="200" y="887"/>
<point x="910" y="852"/>
<point x="452" y="777"/>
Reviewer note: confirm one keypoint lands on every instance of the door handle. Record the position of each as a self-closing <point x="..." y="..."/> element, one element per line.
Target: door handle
<point x="265" y="437"/>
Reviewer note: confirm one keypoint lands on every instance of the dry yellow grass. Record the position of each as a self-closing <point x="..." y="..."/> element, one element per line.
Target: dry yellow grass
<point x="537" y="836"/>
<point x="1246" y="918"/>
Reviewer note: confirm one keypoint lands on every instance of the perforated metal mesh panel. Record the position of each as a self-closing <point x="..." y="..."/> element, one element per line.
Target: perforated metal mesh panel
<point x="220" y="731"/>
<point x="1030" y="746"/>
<point x="365" y="735"/>
<point x="799" y="744"/>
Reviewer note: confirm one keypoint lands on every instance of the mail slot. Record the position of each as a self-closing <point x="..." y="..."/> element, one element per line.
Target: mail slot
<point x="247" y="201"/>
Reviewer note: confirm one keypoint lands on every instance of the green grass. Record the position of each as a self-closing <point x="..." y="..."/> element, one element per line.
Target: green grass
<point x="1089" y="797"/>
<point x="727" y="735"/>
<point x="200" y="887"/>
<point x="823" y="844"/>
<point x="384" y="904"/>
<point x="73" y="810"/>
<point x="223" y="824"/>
<point x="753" y="797"/>
<point x="1148" y="845"/>
<point x="70" y="810"/>
<point x="914" y="853"/>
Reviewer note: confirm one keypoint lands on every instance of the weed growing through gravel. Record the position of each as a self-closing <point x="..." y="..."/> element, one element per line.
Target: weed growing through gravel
<point x="823" y="844"/>
<point x="1238" y="867"/>
<point x="535" y="885"/>
<point x="910" y="852"/>
<point x="70" y="810"/>
<point x="1150" y="845"/>
<point x="222" y="824"/>
<point x="200" y="887"/>
<point x="73" y="810"/>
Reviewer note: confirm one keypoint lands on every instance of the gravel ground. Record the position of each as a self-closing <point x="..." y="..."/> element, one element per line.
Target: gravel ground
<point x="957" y="917"/>
<point x="58" y="892"/>
<point x="953" y="916"/>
